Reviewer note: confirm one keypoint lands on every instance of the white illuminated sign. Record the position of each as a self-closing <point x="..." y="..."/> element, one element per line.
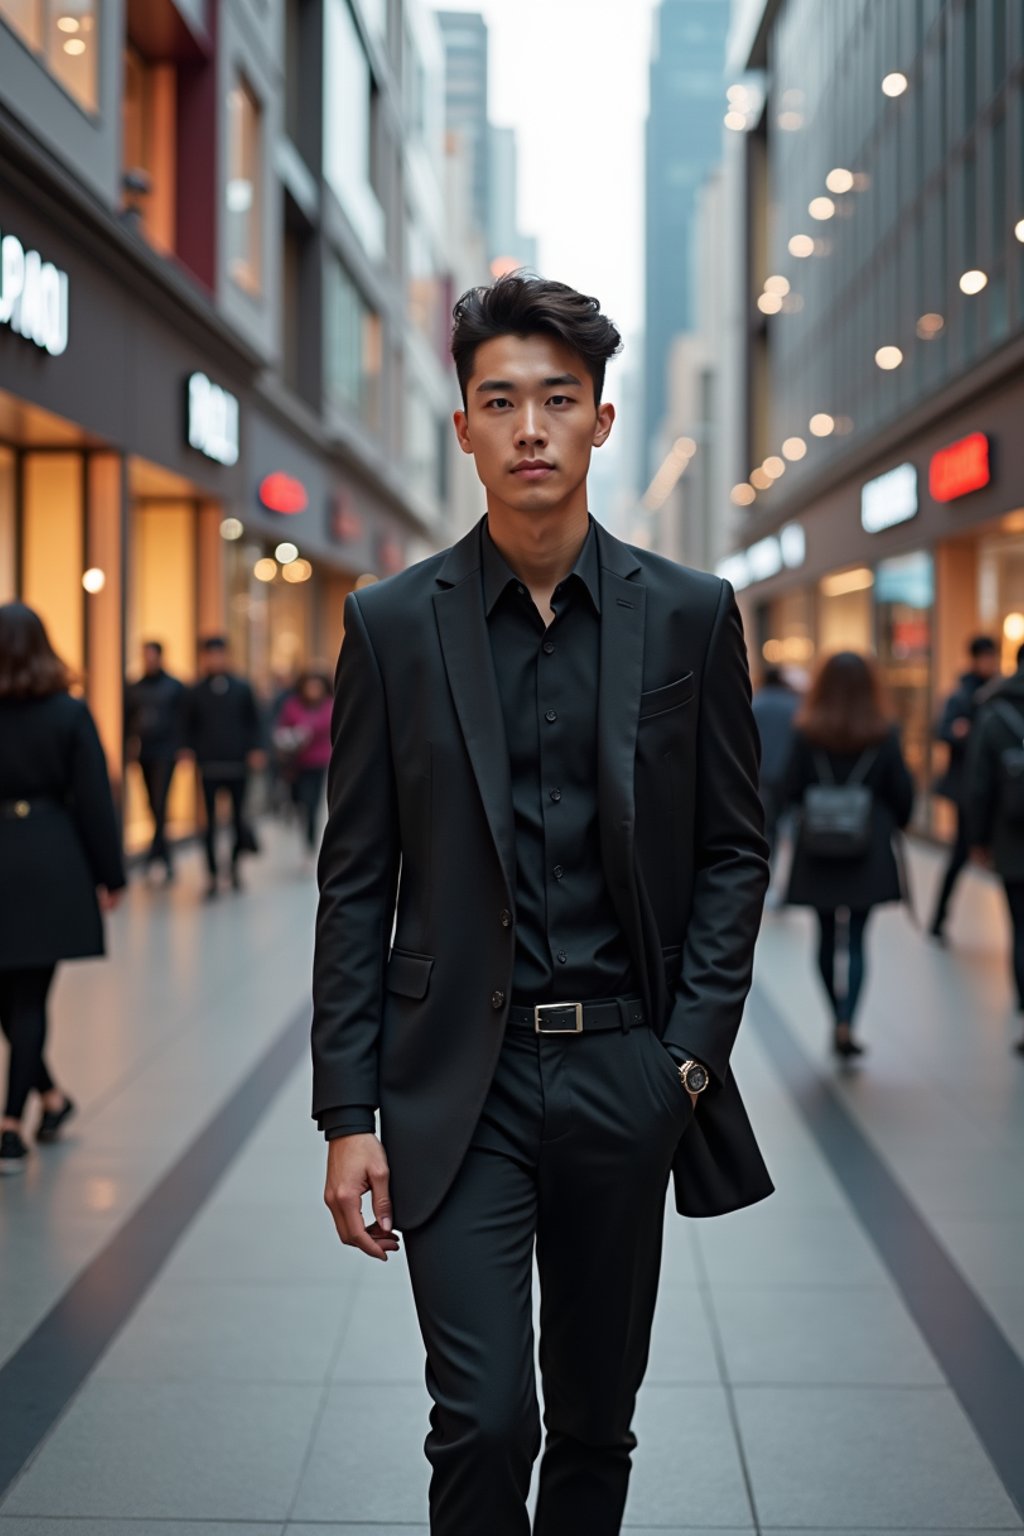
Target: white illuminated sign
<point x="33" y="296"/>
<point x="786" y="550"/>
<point x="212" y="420"/>
<point x="889" y="500"/>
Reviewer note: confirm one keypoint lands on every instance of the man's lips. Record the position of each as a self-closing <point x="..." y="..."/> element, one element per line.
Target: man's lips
<point x="535" y="469"/>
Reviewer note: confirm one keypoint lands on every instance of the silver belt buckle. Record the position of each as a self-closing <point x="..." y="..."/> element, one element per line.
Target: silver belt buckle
<point x="574" y="1010"/>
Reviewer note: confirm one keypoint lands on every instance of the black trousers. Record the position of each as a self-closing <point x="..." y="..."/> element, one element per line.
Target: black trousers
<point x="307" y="794"/>
<point x="839" y="932"/>
<point x="23" y="1019"/>
<point x="157" y="773"/>
<point x="1015" y="901"/>
<point x="959" y="853"/>
<point x="571" y="1155"/>
<point x="235" y="786"/>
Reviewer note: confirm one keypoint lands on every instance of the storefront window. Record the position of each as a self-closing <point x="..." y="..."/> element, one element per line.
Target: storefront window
<point x="53" y="548"/>
<point x="786" y="634"/>
<point x="65" y="33"/>
<point x="243" y="226"/>
<point x="353" y="353"/>
<point x="845" y="611"/>
<point x="904" y="604"/>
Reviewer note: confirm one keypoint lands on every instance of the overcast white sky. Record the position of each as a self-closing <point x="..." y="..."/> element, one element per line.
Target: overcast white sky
<point x="571" y="77"/>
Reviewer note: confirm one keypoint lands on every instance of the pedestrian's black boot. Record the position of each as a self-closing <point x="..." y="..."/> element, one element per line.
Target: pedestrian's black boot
<point x="13" y="1153"/>
<point x="52" y="1120"/>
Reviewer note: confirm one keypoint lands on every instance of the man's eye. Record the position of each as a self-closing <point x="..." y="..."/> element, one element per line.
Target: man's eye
<point x="499" y="401"/>
<point x="560" y="400"/>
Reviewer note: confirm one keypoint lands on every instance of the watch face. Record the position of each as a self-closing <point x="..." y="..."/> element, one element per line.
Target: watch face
<point x="696" y="1078"/>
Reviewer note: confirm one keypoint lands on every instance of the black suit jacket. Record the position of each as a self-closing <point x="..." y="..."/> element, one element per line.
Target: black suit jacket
<point x="420" y="811"/>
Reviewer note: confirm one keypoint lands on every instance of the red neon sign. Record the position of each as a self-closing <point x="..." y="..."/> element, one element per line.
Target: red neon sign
<point x="963" y="467"/>
<point x="283" y="493"/>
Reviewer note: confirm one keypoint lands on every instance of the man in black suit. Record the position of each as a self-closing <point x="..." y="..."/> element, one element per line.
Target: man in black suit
<point x="547" y="736"/>
<point x="154" y="706"/>
<point x="224" y="734"/>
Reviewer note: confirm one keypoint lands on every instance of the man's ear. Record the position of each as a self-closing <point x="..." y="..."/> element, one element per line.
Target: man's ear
<point x="461" y="421"/>
<point x="605" y="421"/>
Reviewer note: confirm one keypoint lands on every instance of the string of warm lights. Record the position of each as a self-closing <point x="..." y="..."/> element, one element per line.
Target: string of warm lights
<point x="666" y="479"/>
<point x="777" y="296"/>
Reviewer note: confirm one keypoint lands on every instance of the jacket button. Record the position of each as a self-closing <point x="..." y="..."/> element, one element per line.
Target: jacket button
<point x="506" y="919"/>
<point x="497" y="1000"/>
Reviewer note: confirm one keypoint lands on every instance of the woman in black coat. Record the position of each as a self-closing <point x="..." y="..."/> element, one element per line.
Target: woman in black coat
<point x="60" y="854"/>
<point x="844" y="735"/>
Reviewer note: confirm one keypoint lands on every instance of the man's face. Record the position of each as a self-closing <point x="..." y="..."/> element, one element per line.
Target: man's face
<point x="987" y="664"/>
<point x="214" y="661"/>
<point x="531" y="422"/>
<point x="151" y="660"/>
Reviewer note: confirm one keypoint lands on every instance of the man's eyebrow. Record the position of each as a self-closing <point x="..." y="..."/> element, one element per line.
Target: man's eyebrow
<point x="503" y="386"/>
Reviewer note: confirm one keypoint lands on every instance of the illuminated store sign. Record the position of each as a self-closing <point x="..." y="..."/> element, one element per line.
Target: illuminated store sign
<point x="786" y="550"/>
<point x="889" y="500"/>
<point x="33" y="297"/>
<point x="963" y="467"/>
<point x="212" y="420"/>
<point x="283" y="493"/>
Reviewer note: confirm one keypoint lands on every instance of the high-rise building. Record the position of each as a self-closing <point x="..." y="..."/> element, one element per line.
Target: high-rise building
<point x="466" y="100"/>
<point x="878" y="486"/>
<point x="224" y="390"/>
<point x="684" y="140"/>
<point x="506" y="241"/>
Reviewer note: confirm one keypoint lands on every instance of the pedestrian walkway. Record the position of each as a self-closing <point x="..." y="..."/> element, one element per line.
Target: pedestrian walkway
<point x="193" y="1352"/>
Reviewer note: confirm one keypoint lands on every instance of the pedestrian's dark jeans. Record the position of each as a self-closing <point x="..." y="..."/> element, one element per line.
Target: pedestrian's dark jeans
<point x="572" y="1151"/>
<point x="1015" y="902"/>
<point x="307" y="793"/>
<point x="234" y="786"/>
<point x="23" y="1019"/>
<point x="157" y="773"/>
<point x="836" y="934"/>
<point x="958" y="856"/>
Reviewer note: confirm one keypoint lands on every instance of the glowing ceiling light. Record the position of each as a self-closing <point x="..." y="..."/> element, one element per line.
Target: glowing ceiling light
<point x="794" y="448"/>
<point x="1018" y="230"/>
<point x="822" y="424"/>
<point x="929" y="326"/>
<point x="735" y="121"/>
<point x="821" y="208"/>
<point x="286" y="553"/>
<point x="742" y="495"/>
<point x="67" y="24"/>
<point x="888" y="358"/>
<point x="769" y="303"/>
<point x="759" y="479"/>
<point x="839" y="180"/>
<point x="265" y="570"/>
<point x="736" y="95"/>
<point x="973" y="281"/>
<point x="790" y="122"/>
<point x="776" y="284"/>
<point x="296" y="571"/>
<point x="774" y="467"/>
<point x="1013" y="627"/>
<point x="94" y="580"/>
<point x="801" y="246"/>
<point x="75" y="46"/>
<point x="895" y="84"/>
<point x="231" y="529"/>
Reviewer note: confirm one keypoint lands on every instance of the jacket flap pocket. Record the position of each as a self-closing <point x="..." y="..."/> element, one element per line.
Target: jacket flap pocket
<point x="408" y="974"/>
<point x="657" y="700"/>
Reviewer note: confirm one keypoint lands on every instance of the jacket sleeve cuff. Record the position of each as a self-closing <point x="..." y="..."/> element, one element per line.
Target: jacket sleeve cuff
<point x="353" y="1120"/>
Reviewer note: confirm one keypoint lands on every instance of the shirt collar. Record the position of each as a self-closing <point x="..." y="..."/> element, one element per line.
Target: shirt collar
<point x="498" y="574"/>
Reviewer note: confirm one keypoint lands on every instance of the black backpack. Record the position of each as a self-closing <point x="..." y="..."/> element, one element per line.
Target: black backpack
<point x="836" y="821"/>
<point x="1011" y="764"/>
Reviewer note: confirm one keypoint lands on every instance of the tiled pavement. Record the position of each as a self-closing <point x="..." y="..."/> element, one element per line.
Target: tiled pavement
<point x="270" y="1381"/>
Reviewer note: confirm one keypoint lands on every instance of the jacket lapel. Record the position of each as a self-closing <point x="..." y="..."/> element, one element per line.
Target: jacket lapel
<point x="623" y="600"/>
<point x="466" y="647"/>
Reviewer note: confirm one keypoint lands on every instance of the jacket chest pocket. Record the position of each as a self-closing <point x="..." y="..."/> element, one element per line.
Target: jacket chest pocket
<point x="658" y="702"/>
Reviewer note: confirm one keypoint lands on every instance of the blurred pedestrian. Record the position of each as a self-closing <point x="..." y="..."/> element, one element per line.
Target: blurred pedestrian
<point x="848" y="777"/>
<point x="153" y="737"/>
<point x="995" y="801"/>
<point x="954" y="728"/>
<point x="303" y="739"/>
<point x="224" y="735"/>
<point x="775" y="707"/>
<point x="60" y="854"/>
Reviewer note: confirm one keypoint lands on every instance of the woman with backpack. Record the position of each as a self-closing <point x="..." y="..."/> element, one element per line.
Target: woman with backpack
<point x="853" y="791"/>
<point x="60" y="857"/>
<point x="995" y="801"/>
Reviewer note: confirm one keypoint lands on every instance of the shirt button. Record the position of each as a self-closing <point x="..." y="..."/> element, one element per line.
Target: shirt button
<point x="562" y="957"/>
<point x="506" y="919"/>
<point x="558" y="871"/>
<point x="556" y="795"/>
<point x="551" y="717"/>
<point x="548" y="647"/>
<point x="497" y="1000"/>
<point x="521" y="591"/>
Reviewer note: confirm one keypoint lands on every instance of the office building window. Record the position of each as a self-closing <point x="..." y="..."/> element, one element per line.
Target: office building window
<point x="353" y="354"/>
<point x="149" y="147"/>
<point x="65" y="34"/>
<point x="243" y="222"/>
<point x="348" y="120"/>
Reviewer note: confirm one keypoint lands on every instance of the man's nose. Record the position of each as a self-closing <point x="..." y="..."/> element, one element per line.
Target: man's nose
<point x="530" y="427"/>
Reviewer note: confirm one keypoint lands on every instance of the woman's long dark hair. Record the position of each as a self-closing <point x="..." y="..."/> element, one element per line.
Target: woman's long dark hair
<point x="844" y="710"/>
<point x="29" y="666"/>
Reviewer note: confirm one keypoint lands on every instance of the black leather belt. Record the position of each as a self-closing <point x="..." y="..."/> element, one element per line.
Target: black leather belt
<point x="623" y="1013"/>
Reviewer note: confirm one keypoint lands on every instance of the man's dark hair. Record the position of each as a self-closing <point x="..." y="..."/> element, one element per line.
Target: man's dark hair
<point x="213" y="643"/>
<point x="982" y="645"/>
<point x="523" y="305"/>
<point x="153" y="645"/>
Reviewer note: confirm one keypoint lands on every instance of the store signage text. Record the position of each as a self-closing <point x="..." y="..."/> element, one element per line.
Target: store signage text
<point x="963" y="467"/>
<point x="212" y="420"/>
<point x="785" y="550"/>
<point x="33" y="296"/>
<point x="889" y="500"/>
<point x="283" y="493"/>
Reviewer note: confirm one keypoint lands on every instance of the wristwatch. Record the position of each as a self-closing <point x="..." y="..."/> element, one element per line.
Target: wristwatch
<point x="694" y="1076"/>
